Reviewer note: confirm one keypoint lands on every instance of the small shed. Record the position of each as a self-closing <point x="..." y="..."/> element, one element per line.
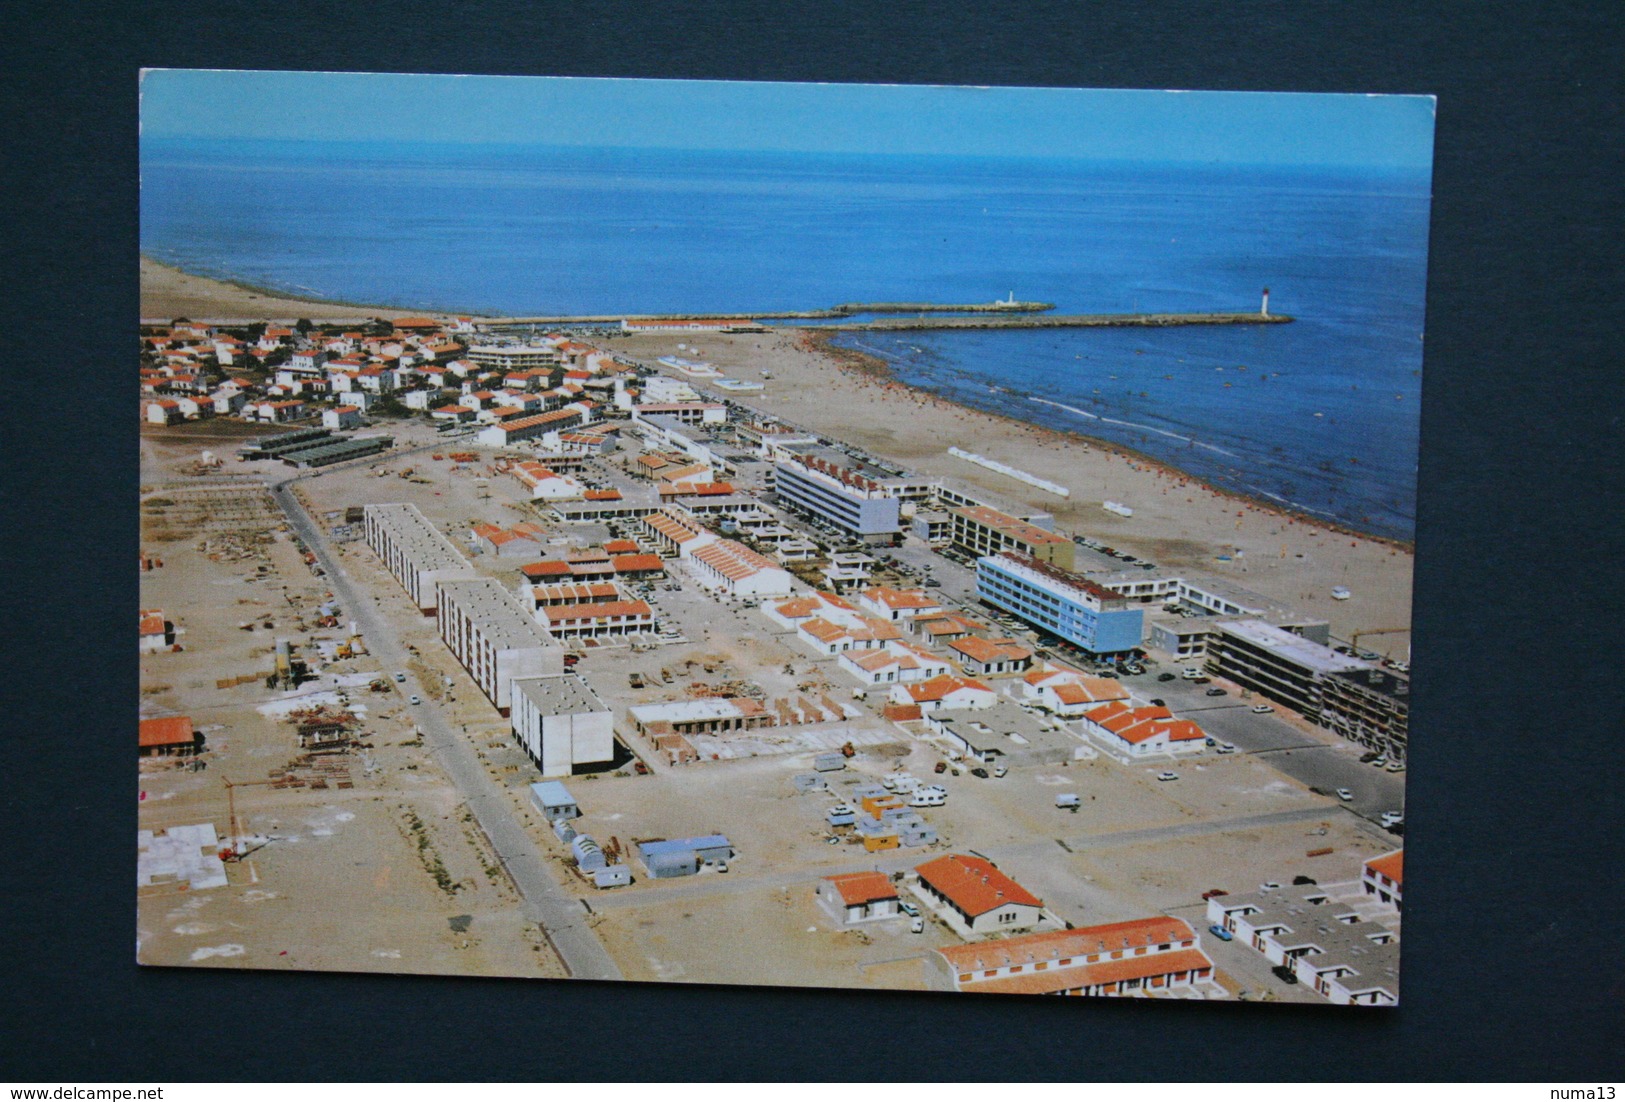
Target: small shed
<point x="842" y="816"/>
<point x="553" y="800"/>
<point x="612" y="876"/>
<point x="828" y="763"/>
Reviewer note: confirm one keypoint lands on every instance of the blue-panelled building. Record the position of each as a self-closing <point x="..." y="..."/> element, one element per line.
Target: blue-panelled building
<point x="1100" y="620"/>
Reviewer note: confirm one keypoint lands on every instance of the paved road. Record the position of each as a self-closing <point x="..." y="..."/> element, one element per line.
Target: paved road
<point x="1327" y="765"/>
<point x="545" y="902"/>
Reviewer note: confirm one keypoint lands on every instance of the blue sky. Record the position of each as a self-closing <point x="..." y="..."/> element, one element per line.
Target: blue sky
<point x="1243" y="127"/>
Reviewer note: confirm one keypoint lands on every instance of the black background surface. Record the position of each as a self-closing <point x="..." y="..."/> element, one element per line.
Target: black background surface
<point x="1512" y="952"/>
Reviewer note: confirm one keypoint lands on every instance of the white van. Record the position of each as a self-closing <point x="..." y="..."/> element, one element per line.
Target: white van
<point x="1068" y="800"/>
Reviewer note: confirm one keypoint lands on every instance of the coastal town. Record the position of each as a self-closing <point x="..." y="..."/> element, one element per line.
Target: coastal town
<point x="698" y="649"/>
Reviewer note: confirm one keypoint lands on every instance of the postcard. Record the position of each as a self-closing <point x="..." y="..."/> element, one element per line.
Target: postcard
<point x="932" y="538"/>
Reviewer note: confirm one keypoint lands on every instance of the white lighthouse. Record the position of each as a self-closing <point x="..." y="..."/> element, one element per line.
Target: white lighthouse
<point x="1264" y="310"/>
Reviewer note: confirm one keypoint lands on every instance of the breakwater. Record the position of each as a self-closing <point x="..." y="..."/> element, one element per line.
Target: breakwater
<point x="1064" y="321"/>
<point x="939" y="316"/>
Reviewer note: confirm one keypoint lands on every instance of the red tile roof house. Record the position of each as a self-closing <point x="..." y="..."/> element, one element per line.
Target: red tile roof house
<point x="854" y="897"/>
<point x="170" y="736"/>
<point x="522" y="540"/>
<point x="1069" y="693"/>
<point x="974" y="898"/>
<point x="1147" y="956"/>
<point x="944" y="692"/>
<point x="156" y="633"/>
<point x="1383" y="878"/>
<point x="1140" y="732"/>
<point x="991" y="657"/>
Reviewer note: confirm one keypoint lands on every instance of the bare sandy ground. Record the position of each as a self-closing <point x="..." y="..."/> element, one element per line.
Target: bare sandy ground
<point x="168" y="293"/>
<point x="1178" y="521"/>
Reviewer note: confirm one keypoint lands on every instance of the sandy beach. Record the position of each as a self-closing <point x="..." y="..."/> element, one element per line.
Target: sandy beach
<point x="1178" y="521"/>
<point x="168" y="293"/>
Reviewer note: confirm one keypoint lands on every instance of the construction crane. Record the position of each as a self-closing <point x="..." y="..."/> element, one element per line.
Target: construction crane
<point x="234" y="852"/>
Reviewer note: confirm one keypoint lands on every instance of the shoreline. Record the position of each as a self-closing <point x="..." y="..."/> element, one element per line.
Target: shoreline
<point x="168" y="292"/>
<point x="821" y="342"/>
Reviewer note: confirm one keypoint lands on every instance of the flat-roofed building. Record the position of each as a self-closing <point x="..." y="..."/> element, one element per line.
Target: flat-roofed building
<point x="974" y="898"/>
<point x="1085" y="614"/>
<point x="1181" y="636"/>
<point x="977" y="530"/>
<point x="709" y="716"/>
<point x="1138" y="957"/>
<point x="416" y="552"/>
<point x="514" y="357"/>
<point x="1220" y="597"/>
<point x="1001" y="734"/>
<point x="562" y="724"/>
<point x="848" y="494"/>
<point x="1327" y="944"/>
<point x="1371" y="707"/>
<point x="1271" y="660"/>
<point x="494" y="638"/>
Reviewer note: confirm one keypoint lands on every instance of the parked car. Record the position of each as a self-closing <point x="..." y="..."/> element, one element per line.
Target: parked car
<point x="1345" y="795"/>
<point x="1167" y="776"/>
<point x="940" y="767"/>
<point x="1395" y="767"/>
<point x="1000" y="770"/>
<point x="908" y="908"/>
<point x="1221" y="933"/>
<point x="1158" y="702"/>
<point x="415" y="699"/>
<point x="978" y="771"/>
<point x="1227" y="748"/>
<point x="1200" y="680"/>
<point x="400" y="676"/>
<point x="1284" y="974"/>
<point x="1389" y="818"/>
<point x="1166" y="677"/>
<point x="1216" y="691"/>
<point x="1262" y="709"/>
<point x="1190" y="673"/>
<point x="1213" y="893"/>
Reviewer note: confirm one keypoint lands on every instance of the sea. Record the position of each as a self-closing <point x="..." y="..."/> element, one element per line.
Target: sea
<point x="1320" y="415"/>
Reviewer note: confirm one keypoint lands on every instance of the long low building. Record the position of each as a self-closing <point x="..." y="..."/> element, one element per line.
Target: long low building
<point x="416" y="552"/>
<point x="562" y="724"/>
<point x="496" y="641"/>
<point x="1140" y="957"/>
<point x="1284" y="667"/>
<point x="594" y="619"/>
